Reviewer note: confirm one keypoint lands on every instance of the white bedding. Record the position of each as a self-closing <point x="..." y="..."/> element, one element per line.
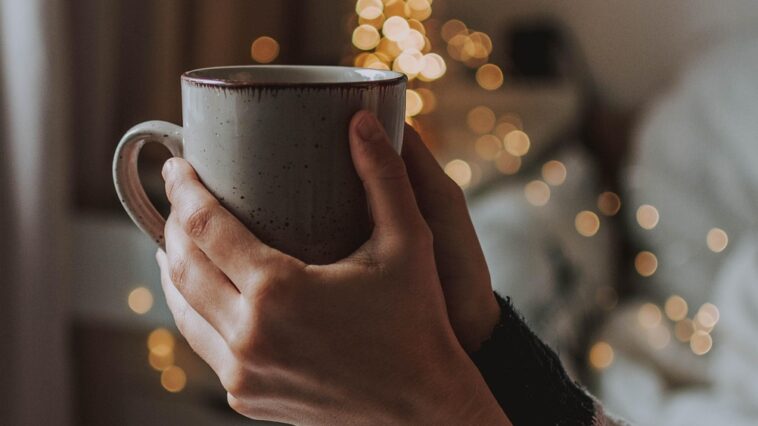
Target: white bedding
<point x="696" y="160"/>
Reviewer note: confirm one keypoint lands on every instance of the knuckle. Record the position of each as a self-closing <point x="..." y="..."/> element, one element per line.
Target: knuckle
<point x="247" y="340"/>
<point x="391" y="169"/>
<point x="235" y="382"/>
<point x="252" y="343"/>
<point x="235" y="404"/>
<point x="178" y="271"/>
<point x="265" y="289"/>
<point x="273" y="285"/>
<point x="197" y="220"/>
<point x="416" y="241"/>
<point x="241" y="343"/>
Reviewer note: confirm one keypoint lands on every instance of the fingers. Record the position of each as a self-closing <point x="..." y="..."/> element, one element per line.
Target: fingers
<point x="443" y="206"/>
<point x="390" y="196"/>
<point x="439" y="198"/>
<point x="223" y="238"/>
<point x="200" y="335"/>
<point x="423" y="169"/>
<point x="200" y="282"/>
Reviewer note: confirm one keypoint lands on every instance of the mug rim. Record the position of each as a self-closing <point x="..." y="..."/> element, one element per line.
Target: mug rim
<point x="388" y="78"/>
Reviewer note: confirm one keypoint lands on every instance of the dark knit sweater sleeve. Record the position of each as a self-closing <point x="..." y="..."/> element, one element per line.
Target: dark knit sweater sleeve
<point x="527" y="378"/>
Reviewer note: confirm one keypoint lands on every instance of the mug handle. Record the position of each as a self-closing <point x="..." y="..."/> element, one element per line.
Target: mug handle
<point x="126" y="177"/>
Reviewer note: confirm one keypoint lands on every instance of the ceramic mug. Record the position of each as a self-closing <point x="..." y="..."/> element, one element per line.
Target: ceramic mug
<point x="271" y="143"/>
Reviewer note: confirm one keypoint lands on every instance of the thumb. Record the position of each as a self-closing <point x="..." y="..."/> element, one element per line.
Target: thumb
<point x="385" y="179"/>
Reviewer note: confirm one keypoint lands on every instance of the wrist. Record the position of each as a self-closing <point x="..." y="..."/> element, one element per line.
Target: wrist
<point x="477" y="406"/>
<point x="478" y="327"/>
<point x="458" y="395"/>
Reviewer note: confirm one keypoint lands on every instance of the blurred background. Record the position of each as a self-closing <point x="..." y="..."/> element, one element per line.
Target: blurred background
<point x="608" y="151"/>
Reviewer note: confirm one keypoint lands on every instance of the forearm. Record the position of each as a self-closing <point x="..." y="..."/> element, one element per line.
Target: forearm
<point x="527" y="378"/>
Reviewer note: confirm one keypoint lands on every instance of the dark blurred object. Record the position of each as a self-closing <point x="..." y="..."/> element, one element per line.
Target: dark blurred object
<point x="127" y="57"/>
<point x="535" y="51"/>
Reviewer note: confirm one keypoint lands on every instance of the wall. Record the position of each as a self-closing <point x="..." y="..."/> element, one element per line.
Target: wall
<point x="633" y="47"/>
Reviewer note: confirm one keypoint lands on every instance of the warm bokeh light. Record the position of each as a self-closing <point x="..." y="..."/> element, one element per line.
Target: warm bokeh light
<point x="428" y="100"/>
<point x="507" y="164"/>
<point x="161" y="342"/>
<point x="517" y="143"/>
<point x="488" y="147"/>
<point x="717" y="240"/>
<point x="513" y="119"/>
<point x="412" y="40"/>
<point x="587" y="223"/>
<point x="452" y="28"/>
<point x="427" y="45"/>
<point x="140" y="300"/>
<point x="608" y="203"/>
<point x="395" y="28"/>
<point x="606" y="297"/>
<point x="377" y="65"/>
<point x="707" y="316"/>
<point x="410" y="62"/>
<point x="264" y="50"/>
<point x="537" y="193"/>
<point x="161" y="362"/>
<point x="417" y="25"/>
<point x="502" y="129"/>
<point x="367" y="60"/>
<point x="460" y="172"/>
<point x="376" y="22"/>
<point x="647" y="216"/>
<point x="489" y="77"/>
<point x="601" y="355"/>
<point x="480" y="46"/>
<point x="434" y="67"/>
<point x="419" y="9"/>
<point x="457" y="45"/>
<point x="366" y="37"/>
<point x="676" y="308"/>
<point x="394" y="8"/>
<point x="684" y="329"/>
<point x="480" y="119"/>
<point x="173" y="379"/>
<point x="369" y="9"/>
<point x="413" y="103"/>
<point x="554" y="172"/>
<point x="649" y="315"/>
<point x="360" y="59"/>
<point x="388" y="48"/>
<point x="382" y="56"/>
<point x="700" y="342"/>
<point x="646" y="263"/>
<point x="659" y="337"/>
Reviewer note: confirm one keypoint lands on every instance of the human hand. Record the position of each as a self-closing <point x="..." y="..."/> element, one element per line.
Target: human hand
<point x="462" y="269"/>
<point x="363" y="341"/>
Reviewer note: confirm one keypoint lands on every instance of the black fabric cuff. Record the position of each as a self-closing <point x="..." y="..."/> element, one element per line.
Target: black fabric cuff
<point x="527" y="378"/>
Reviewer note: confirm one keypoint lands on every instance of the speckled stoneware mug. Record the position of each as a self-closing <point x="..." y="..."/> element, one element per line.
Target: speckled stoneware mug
<point x="271" y="143"/>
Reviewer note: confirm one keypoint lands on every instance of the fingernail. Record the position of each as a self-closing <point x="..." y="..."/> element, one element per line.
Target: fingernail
<point x="369" y="129"/>
<point x="167" y="166"/>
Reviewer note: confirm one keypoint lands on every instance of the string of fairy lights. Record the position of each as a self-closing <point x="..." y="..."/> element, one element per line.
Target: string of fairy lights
<point x="400" y="35"/>
<point x="396" y="34"/>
